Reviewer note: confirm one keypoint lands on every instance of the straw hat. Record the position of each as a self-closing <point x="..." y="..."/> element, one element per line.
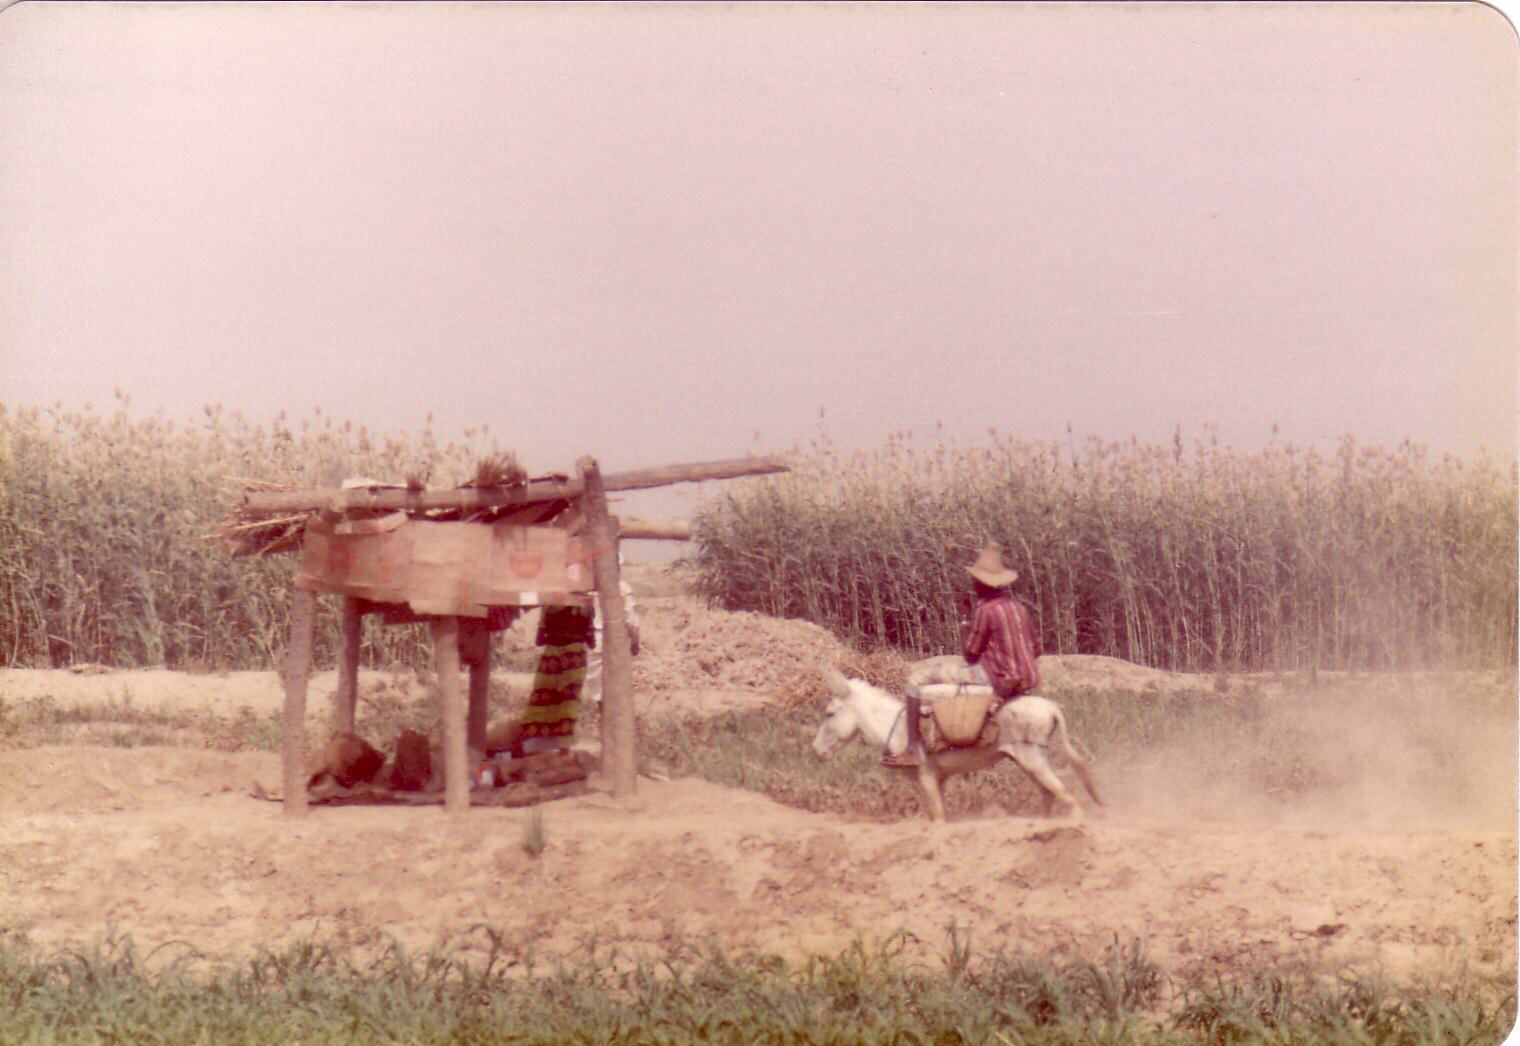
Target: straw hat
<point x="990" y="569"/>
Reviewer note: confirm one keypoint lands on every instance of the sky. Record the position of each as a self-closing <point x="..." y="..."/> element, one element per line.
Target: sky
<point x="667" y="233"/>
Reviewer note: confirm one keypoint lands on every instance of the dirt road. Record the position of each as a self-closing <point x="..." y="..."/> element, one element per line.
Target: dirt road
<point x="167" y="845"/>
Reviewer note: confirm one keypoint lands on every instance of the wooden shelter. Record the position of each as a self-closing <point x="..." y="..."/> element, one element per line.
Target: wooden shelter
<point x="460" y="560"/>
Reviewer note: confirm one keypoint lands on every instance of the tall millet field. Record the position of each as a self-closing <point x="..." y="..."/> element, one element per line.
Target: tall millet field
<point x="1194" y="558"/>
<point x="109" y="545"/>
<point x="1188" y="557"/>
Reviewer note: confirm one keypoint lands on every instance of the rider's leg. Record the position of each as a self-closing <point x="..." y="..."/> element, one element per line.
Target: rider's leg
<point x="915" y="731"/>
<point x="913" y="755"/>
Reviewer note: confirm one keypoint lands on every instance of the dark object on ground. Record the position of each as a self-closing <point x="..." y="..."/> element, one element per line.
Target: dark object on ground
<point x="348" y="759"/>
<point x="534" y="779"/>
<point x="414" y="763"/>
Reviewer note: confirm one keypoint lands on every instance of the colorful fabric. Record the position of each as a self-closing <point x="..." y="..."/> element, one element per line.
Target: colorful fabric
<point x="555" y="705"/>
<point x="564" y="634"/>
<point x="1003" y="642"/>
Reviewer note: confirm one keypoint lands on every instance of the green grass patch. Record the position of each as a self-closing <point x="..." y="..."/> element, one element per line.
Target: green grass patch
<point x="1416" y="730"/>
<point x="767" y="751"/>
<point x="386" y="708"/>
<point x="117" y="721"/>
<point x="312" y="993"/>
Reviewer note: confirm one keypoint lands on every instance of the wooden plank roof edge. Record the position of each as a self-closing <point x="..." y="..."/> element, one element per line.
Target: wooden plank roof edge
<point x="287" y="501"/>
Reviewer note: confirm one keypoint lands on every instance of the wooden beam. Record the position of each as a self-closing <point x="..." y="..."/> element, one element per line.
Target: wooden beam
<point x="465" y="498"/>
<point x="655" y="529"/>
<point x="619" y="724"/>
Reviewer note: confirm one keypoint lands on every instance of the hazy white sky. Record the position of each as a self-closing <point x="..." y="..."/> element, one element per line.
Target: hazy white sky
<point x="653" y="232"/>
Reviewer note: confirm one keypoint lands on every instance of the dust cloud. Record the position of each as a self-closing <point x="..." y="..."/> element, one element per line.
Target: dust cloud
<point x="1420" y="751"/>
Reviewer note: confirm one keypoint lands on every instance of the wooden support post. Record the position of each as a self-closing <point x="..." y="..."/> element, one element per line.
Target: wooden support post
<point x="619" y="725"/>
<point x="475" y="651"/>
<point x="456" y="772"/>
<point x="346" y="697"/>
<point x="303" y="612"/>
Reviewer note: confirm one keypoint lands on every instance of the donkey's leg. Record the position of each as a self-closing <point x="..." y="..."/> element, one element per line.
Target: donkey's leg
<point x="1047" y="797"/>
<point x="1084" y="772"/>
<point x="929" y="782"/>
<point x="1031" y="759"/>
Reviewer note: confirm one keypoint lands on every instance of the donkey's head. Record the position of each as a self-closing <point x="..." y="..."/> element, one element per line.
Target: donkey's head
<point x="841" y="720"/>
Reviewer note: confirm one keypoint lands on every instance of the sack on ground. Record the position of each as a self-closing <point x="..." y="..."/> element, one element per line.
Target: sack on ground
<point x="348" y="759"/>
<point x="414" y="762"/>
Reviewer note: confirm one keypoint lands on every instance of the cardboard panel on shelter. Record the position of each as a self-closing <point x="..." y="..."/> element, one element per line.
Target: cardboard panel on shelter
<point x="451" y="568"/>
<point x="532" y="559"/>
<point x="374" y="566"/>
<point x="444" y="558"/>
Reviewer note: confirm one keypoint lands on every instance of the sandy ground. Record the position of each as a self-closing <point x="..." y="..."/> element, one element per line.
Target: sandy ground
<point x="167" y="845"/>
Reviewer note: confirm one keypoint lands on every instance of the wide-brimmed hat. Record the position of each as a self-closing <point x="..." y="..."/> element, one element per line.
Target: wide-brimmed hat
<point x="990" y="569"/>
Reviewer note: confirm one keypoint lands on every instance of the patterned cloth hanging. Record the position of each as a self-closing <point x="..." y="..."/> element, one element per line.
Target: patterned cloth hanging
<point x="565" y="637"/>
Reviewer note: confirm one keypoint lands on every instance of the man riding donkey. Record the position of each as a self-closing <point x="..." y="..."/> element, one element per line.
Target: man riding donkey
<point x="999" y="650"/>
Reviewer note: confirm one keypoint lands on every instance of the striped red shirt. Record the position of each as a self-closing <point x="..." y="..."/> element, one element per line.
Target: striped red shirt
<point x="1003" y="640"/>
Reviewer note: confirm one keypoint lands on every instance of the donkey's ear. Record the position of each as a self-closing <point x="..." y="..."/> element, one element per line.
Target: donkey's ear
<point x="834" y="679"/>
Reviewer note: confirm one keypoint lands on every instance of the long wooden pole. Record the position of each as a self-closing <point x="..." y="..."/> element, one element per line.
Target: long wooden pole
<point x="288" y="501"/>
<point x="303" y="611"/>
<point x="694" y="472"/>
<point x="619" y="724"/>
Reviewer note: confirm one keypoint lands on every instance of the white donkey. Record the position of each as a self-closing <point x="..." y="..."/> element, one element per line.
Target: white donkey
<point x="1027" y="727"/>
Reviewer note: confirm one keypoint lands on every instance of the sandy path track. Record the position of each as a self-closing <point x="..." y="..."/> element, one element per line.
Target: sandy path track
<point x="1403" y="859"/>
<point x="166" y="845"/>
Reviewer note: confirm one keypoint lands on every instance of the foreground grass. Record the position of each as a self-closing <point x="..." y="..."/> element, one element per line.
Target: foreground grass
<point x="867" y="994"/>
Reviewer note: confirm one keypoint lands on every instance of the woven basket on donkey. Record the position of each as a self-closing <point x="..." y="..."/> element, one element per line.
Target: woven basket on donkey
<point x="960" y="718"/>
